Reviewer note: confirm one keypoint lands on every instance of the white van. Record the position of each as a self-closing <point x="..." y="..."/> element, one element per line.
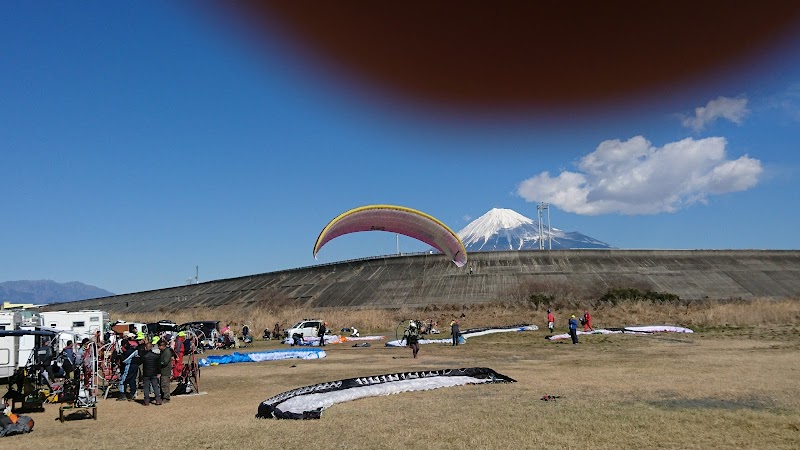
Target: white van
<point x="308" y="328"/>
<point x="9" y="345"/>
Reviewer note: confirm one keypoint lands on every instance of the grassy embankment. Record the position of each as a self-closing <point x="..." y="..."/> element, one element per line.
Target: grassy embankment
<point x="699" y="314"/>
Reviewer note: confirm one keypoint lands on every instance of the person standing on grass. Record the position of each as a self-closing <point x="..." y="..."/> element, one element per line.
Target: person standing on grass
<point x="177" y="368"/>
<point x="454" y="330"/>
<point x="587" y="321"/>
<point x="151" y="371"/>
<point x="573" y="329"/>
<point x="551" y="321"/>
<point x="166" y="357"/>
<point x="321" y="333"/>
<point x="411" y="337"/>
<point x="130" y="358"/>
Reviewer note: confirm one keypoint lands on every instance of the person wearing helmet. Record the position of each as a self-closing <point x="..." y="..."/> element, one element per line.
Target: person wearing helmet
<point x="551" y="321"/>
<point x="411" y="336"/>
<point x="179" y="348"/>
<point x="573" y="329"/>
<point x="321" y="333"/>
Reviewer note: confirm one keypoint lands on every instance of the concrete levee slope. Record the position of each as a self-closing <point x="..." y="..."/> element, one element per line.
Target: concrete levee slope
<point x="424" y="279"/>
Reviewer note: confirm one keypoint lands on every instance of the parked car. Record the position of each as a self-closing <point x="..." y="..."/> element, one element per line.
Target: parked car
<point x="307" y="327"/>
<point x="162" y="326"/>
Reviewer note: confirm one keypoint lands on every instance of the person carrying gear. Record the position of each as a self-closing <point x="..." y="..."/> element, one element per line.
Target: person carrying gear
<point x="586" y="320"/>
<point x="177" y="369"/>
<point x="411" y="336"/>
<point x="551" y="321"/>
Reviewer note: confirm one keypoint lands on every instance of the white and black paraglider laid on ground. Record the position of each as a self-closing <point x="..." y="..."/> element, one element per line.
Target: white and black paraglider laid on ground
<point x="308" y="402"/>
<point x="332" y="339"/>
<point x="469" y="333"/>
<point x="638" y="330"/>
<point x="474" y="332"/>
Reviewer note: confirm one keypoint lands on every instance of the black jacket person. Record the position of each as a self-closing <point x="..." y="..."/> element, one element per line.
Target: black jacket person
<point x="151" y="370"/>
<point x="321" y="333"/>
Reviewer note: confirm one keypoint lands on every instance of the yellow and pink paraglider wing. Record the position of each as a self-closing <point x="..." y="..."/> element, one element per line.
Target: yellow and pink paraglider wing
<point x="396" y="219"/>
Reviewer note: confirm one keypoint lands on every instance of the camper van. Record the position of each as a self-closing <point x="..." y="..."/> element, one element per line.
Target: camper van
<point x="83" y="323"/>
<point x="30" y="317"/>
<point x="9" y="345"/>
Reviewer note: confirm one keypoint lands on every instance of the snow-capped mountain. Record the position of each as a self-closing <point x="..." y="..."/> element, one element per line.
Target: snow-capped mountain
<point x="505" y="229"/>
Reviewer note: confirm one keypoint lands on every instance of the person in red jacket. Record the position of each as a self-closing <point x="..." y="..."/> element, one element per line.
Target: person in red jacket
<point x="587" y="321"/>
<point x="177" y="368"/>
<point x="551" y="321"/>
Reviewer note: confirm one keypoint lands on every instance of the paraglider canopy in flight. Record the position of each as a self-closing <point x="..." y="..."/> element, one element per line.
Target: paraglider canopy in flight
<point x="396" y="219"/>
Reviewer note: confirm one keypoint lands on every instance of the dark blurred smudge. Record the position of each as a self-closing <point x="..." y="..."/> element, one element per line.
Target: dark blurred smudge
<point x="530" y="55"/>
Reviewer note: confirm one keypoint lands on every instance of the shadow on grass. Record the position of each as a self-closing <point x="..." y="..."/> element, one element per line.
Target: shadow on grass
<point x="77" y="415"/>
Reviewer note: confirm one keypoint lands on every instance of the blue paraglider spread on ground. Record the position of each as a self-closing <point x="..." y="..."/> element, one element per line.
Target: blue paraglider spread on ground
<point x="271" y="355"/>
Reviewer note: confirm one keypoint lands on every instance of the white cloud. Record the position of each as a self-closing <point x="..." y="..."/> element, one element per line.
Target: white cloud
<point x="733" y="109"/>
<point x="634" y="177"/>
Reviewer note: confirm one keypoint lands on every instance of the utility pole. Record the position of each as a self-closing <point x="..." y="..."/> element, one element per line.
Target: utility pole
<point x="540" y="208"/>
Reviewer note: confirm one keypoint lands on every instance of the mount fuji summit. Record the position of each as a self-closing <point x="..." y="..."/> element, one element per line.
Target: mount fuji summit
<point x="505" y="229"/>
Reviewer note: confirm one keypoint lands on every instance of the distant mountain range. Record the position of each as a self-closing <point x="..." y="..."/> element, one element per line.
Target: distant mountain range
<point x="48" y="291"/>
<point x="506" y="229"/>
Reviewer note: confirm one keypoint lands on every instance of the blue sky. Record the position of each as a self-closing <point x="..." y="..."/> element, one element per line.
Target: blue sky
<point x="140" y="140"/>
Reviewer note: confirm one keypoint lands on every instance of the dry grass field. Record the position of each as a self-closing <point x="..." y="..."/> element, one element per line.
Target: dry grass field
<point x="733" y="384"/>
